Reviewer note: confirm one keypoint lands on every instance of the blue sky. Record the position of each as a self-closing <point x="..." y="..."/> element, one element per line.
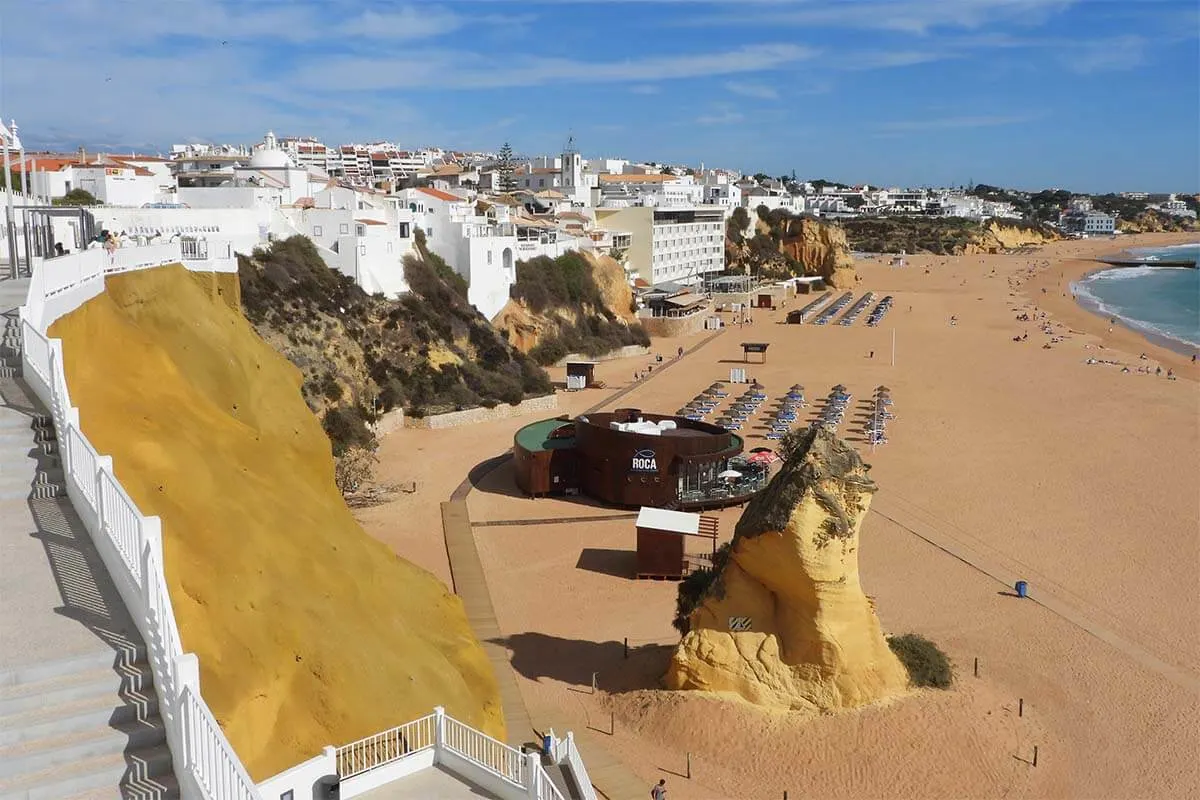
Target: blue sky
<point x="1095" y="95"/>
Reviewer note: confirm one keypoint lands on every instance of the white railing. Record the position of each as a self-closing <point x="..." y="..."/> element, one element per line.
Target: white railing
<point x="129" y="543"/>
<point x="386" y="747"/>
<point x="492" y="754"/>
<point x="578" y="770"/>
<point x="546" y="788"/>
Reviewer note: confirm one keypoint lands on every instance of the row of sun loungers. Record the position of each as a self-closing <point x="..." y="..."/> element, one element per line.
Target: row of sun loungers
<point x="812" y="307"/>
<point x="876" y="427"/>
<point x="744" y="407"/>
<point x="834" y="410"/>
<point x="850" y="316"/>
<point x="787" y="414"/>
<point x="877" y="314"/>
<point x="834" y="309"/>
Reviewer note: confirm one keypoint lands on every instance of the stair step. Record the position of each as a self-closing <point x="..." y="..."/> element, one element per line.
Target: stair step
<point x="38" y="755"/>
<point x="147" y="768"/>
<point x="133" y="680"/>
<point x="37" y="673"/>
<point x="93" y="712"/>
<point x="159" y="787"/>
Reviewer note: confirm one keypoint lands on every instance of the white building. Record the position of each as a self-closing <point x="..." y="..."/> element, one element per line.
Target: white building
<point x="480" y="247"/>
<point x="670" y="244"/>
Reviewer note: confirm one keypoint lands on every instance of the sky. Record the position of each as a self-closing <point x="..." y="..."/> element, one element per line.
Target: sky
<point x="1091" y="95"/>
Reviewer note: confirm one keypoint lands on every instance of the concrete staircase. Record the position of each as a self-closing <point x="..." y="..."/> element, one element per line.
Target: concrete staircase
<point x="86" y="727"/>
<point x="78" y="712"/>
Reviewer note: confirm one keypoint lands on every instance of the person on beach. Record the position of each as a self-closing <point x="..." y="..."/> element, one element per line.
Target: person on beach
<point x="659" y="792"/>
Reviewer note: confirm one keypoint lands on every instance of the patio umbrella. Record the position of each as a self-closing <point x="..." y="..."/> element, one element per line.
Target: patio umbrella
<point x="729" y="473"/>
<point x="763" y="458"/>
<point x="760" y="450"/>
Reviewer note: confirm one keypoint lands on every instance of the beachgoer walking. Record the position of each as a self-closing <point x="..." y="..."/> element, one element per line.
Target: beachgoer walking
<point x="872" y="355"/>
<point x="659" y="792"/>
<point x="680" y="352"/>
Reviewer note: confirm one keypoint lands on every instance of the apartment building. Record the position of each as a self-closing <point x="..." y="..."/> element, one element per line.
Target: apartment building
<point x="670" y="244"/>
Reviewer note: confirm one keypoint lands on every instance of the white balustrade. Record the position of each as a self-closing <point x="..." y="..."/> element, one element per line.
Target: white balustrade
<point x="476" y="746"/>
<point x="386" y="747"/>
<point x="578" y="770"/>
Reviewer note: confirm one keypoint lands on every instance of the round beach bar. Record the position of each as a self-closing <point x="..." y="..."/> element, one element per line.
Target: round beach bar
<point x="630" y="458"/>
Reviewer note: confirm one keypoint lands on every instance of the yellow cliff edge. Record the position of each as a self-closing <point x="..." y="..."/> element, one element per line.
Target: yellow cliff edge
<point x="309" y="632"/>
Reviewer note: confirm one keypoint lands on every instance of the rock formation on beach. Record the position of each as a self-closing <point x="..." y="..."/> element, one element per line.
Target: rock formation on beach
<point x="784" y="622"/>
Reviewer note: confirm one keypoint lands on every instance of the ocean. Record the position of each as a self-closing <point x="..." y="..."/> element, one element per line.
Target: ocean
<point x="1162" y="302"/>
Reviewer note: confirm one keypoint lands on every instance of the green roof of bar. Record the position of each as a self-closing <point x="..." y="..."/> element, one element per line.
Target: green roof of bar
<point x="536" y="436"/>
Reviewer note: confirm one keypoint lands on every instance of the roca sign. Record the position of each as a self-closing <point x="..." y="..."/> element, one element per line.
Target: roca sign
<point x="644" y="461"/>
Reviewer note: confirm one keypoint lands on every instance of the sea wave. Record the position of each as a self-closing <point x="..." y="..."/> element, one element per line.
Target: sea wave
<point x="1097" y="306"/>
<point x="1129" y="273"/>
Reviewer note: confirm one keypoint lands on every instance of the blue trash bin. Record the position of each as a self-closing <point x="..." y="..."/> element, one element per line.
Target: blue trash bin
<point x="548" y="744"/>
<point x="1022" y="589"/>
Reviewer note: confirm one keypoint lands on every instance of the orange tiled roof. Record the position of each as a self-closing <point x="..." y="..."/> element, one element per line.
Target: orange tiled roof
<point x="440" y="195"/>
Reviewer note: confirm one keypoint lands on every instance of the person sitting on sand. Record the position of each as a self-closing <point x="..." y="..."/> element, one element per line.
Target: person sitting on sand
<point x="1170" y="374"/>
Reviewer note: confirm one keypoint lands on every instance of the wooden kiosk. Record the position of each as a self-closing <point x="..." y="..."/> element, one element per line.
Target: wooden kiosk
<point x="661" y="537"/>
<point x="754" y="347"/>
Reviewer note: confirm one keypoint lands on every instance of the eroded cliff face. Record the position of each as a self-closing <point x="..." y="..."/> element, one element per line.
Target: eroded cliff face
<point x="822" y="249"/>
<point x="309" y="632"/>
<point x="793" y="246"/>
<point x="996" y="237"/>
<point x="809" y="637"/>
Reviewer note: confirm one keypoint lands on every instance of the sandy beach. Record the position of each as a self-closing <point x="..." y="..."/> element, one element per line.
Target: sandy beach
<point x="1008" y="460"/>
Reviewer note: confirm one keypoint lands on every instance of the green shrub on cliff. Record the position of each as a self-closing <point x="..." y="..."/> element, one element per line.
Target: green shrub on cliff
<point x="361" y="355"/>
<point x="567" y="283"/>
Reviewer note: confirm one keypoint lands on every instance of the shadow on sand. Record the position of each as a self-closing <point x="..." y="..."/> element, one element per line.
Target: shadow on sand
<point x="617" y="563"/>
<point x="572" y="661"/>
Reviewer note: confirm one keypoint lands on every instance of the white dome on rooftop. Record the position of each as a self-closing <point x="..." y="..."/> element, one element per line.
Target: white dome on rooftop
<point x="267" y="159"/>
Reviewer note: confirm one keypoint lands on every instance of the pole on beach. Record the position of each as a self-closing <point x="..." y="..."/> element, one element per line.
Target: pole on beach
<point x="627" y="647"/>
<point x="689" y="766"/>
<point x="593" y="683"/>
<point x="612" y="728"/>
<point x="1035" y="755"/>
<point x="976" y="666"/>
<point x="1020" y="706"/>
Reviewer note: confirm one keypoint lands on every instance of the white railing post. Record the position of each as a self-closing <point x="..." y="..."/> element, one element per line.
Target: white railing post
<point x="439" y="733"/>
<point x="533" y="769"/>
<point x="187" y="673"/>
<point x="102" y="463"/>
<point x="570" y="744"/>
<point x="151" y="556"/>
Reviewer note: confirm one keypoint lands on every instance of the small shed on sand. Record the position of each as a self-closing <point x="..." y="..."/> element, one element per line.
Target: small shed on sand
<point x="661" y="542"/>
<point x="580" y="375"/>
<point x="755" y="347"/>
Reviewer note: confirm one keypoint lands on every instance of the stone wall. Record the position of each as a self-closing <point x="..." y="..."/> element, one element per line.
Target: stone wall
<point x="621" y="352"/>
<point x="390" y="421"/>
<point x="471" y="416"/>
<point x="675" y="326"/>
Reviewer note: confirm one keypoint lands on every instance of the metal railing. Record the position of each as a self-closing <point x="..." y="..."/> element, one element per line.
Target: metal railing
<point x="386" y="747"/>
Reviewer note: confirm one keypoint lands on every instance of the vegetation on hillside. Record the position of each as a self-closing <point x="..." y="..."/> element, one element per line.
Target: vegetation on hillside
<point x="938" y="235"/>
<point x="568" y="284"/>
<point x="361" y="355"/>
<point x="694" y="587"/>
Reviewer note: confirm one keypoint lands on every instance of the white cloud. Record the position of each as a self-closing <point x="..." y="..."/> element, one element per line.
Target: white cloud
<point x="440" y="70"/>
<point x="1087" y="58"/>
<point x="721" y="118"/>
<point x="955" y="123"/>
<point x="645" y="88"/>
<point x="760" y="91"/>
<point x="904" y="16"/>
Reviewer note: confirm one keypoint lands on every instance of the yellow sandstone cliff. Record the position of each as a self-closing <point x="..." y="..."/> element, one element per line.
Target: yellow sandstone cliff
<point x="822" y="248"/>
<point x="996" y="237"/>
<point x="309" y="632"/>
<point x="784" y="623"/>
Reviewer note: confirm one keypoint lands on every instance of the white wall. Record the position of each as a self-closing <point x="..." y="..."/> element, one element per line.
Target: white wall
<point x="117" y="186"/>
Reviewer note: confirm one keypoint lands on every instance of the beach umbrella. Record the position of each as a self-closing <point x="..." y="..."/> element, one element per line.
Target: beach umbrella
<point x="882" y="388"/>
<point x="839" y="388"/>
<point x="798" y="387"/>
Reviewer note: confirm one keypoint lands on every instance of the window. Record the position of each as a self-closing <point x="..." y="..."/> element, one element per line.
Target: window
<point x="429" y="232"/>
<point x="318" y="230"/>
<point x="360" y="230"/>
<point x="362" y="249"/>
<point x="541" y="182"/>
<point x="489" y="257"/>
<point x="344" y="228"/>
<point x="403" y="226"/>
